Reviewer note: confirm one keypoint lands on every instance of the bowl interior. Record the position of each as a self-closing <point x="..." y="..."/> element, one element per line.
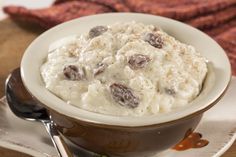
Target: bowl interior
<point x="217" y="80"/>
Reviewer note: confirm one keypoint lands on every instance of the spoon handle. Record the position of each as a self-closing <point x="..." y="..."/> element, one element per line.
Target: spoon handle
<point x="58" y="142"/>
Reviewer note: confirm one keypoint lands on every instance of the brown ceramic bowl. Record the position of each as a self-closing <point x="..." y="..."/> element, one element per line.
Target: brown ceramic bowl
<point x="126" y="136"/>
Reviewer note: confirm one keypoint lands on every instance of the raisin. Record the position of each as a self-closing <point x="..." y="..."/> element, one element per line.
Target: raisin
<point x="170" y="91"/>
<point x="138" y="61"/>
<point x="96" y="31"/>
<point x="100" y="68"/>
<point x="154" y="40"/>
<point x="123" y="95"/>
<point x="73" y="73"/>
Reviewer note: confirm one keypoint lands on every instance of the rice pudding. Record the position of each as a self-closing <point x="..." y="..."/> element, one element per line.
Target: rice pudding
<point x="125" y="69"/>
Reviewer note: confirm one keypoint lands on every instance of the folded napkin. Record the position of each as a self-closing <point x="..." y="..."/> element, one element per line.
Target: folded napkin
<point x="115" y="5"/>
<point x="221" y="28"/>
<point x="178" y="9"/>
<point x="227" y="40"/>
<point x="213" y="20"/>
<point x="217" y="18"/>
<point x="56" y="14"/>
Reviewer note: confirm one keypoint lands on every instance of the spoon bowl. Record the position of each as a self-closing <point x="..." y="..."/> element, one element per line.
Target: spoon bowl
<point x="24" y="106"/>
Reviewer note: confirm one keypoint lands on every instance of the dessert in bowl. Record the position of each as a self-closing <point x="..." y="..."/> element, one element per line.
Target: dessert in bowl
<point x="131" y="69"/>
<point x="127" y="88"/>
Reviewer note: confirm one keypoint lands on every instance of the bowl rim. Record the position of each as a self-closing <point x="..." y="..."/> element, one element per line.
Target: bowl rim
<point x="54" y="103"/>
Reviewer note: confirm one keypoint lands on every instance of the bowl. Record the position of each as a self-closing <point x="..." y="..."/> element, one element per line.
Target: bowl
<point x="126" y="136"/>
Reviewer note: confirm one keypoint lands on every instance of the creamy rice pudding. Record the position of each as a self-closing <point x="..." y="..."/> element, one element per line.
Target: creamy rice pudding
<point x="125" y="69"/>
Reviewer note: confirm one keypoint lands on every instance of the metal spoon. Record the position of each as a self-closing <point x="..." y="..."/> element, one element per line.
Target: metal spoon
<point x="23" y="105"/>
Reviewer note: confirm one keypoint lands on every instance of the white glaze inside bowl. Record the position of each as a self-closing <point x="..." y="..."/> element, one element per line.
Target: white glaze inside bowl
<point x="216" y="82"/>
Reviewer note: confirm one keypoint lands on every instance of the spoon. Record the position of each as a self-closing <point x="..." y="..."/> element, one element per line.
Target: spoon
<point x="24" y="106"/>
